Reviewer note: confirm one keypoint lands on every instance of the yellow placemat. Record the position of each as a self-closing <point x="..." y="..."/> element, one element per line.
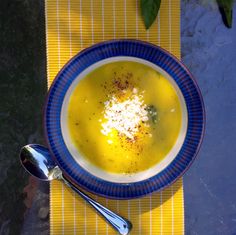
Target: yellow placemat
<point x="72" y="25"/>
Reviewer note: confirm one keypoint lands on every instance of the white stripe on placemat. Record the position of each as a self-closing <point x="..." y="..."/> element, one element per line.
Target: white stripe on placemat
<point x="81" y="27"/>
<point x="139" y="212"/>
<point x="147" y="34"/>
<point x="62" y="208"/>
<point x="150" y="208"/>
<point x="58" y="36"/>
<point x="69" y="26"/>
<point x="92" y="23"/>
<point x="183" y="211"/>
<point x="103" y="19"/>
<point x="172" y="209"/>
<point x="169" y="15"/>
<point x="136" y="20"/>
<point x="125" y="18"/>
<point x="106" y="223"/>
<point x="74" y="211"/>
<point x="114" y="18"/>
<point x="117" y="206"/>
<point x="96" y="218"/>
<point x="128" y="209"/>
<point x="161" y="219"/>
<point x="85" y="217"/>
<point x="159" y="29"/>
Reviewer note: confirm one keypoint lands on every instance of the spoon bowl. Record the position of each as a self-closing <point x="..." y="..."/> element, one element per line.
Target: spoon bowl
<point x="37" y="161"/>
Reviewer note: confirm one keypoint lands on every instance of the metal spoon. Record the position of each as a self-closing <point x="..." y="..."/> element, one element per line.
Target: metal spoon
<point x="37" y="160"/>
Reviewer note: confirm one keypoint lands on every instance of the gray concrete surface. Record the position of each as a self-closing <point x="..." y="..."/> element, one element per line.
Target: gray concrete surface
<point x="209" y="51"/>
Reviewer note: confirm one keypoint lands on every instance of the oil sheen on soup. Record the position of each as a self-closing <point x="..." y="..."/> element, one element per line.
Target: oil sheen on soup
<point x="124" y="117"/>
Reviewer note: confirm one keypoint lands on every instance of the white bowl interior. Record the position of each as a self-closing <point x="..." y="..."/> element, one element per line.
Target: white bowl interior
<point x="122" y="178"/>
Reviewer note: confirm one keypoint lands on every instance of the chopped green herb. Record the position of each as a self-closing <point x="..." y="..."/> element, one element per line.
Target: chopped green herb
<point x="152" y="113"/>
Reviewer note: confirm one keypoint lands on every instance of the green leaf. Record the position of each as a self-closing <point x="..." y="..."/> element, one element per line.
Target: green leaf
<point x="152" y="113"/>
<point x="226" y="10"/>
<point x="149" y="9"/>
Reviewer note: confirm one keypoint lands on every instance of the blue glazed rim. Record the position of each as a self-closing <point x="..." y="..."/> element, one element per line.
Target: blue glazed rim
<point x="156" y="55"/>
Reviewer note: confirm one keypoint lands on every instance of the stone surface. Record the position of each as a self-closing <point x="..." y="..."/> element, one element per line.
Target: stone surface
<point x="209" y="51"/>
<point x="22" y="90"/>
<point x="43" y="212"/>
<point x="36" y="219"/>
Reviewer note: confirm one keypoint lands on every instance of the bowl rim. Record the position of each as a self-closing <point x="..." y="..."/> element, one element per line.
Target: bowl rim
<point x="115" y="177"/>
<point x="145" y="191"/>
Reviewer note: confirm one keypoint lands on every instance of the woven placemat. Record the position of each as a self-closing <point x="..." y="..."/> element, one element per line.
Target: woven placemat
<point x="72" y="25"/>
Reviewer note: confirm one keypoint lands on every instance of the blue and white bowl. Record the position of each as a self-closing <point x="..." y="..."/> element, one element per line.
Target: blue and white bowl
<point x="118" y="186"/>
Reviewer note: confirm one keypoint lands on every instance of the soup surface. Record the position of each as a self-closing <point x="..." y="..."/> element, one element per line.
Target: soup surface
<point x="124" y="117"/>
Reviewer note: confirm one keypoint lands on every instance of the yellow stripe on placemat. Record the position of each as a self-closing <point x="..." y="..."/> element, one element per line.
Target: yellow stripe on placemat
<point x="72" y="25"/>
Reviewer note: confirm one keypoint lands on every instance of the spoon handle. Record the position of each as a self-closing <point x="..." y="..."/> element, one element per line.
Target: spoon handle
<point x="122" y="225"/>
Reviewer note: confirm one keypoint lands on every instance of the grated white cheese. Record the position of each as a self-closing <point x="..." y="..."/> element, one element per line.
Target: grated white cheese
<point x="125" y="116"/>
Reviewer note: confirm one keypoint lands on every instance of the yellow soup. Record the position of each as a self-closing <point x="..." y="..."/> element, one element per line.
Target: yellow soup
<point x="124" y="117"/>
